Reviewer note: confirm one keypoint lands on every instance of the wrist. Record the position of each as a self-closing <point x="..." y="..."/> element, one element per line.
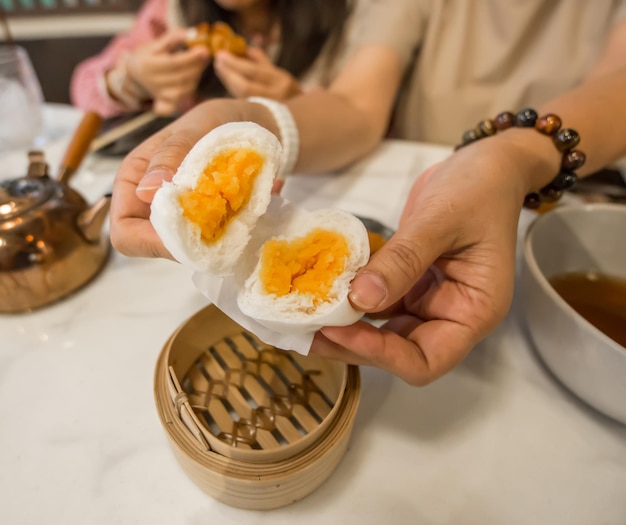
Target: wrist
<point x="534" y="153"/>
<point x="122" y="87"/>
<point x="133" y="76"/>
<point x="535" y="158"/>
<point x="116" y="89"/>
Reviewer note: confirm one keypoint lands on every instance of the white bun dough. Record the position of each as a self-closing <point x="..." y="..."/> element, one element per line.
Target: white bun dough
<point x="181" y="236"/>
<point x="297" y="313"/>
<point x="233" y="261"/>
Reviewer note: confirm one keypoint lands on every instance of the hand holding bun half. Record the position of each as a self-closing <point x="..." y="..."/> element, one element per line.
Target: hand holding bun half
<point x="205" y="216"/>
<point x="290" y="269"/>
<point x="217" y="37"/>
<point x="298" y="268"/>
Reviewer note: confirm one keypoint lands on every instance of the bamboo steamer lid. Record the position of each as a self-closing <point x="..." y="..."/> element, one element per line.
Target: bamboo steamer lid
<point x="252" y="426"/>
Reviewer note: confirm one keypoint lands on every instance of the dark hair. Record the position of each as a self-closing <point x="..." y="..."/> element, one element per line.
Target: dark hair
<point x="306" y="26"/>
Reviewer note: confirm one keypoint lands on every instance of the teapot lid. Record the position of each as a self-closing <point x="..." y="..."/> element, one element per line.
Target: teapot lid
<point x="19" y="196"/>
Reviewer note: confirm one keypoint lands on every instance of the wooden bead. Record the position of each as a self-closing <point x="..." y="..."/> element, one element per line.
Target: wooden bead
<point x="572" y="160"/>
<point x="504" y="121"/>
<point x="487" y="127"/>
<point x="526" y="118"/>
<point x="548" y="124"/>
<point x="532" y="201"/>
<point x="550" y="194"/>
<point x="470" y="136"/>
<point x="564" y="180"/>
<point x="566" y="139"/>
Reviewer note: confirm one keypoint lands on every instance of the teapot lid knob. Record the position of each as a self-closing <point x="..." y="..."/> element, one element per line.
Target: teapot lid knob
<point x="37" y="166"/>
<point x="19" y="196"/>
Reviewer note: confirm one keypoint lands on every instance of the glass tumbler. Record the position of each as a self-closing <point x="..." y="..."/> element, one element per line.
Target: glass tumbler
<point x="21" y="101"/>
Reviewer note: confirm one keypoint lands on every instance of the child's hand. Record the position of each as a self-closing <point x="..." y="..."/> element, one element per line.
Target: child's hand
<point x="167" y="71"/>
<point x="255" y="76"/>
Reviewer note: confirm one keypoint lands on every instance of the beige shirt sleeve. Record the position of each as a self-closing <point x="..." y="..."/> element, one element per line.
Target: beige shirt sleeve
<point x="398" y="24"/>
<point x="620" y="12"/>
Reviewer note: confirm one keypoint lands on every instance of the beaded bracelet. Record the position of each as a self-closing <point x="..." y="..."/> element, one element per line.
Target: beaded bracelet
<point x="565" y="140"/>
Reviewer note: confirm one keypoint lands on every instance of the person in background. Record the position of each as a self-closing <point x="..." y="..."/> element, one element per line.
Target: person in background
<point x="445" y="279"/>
<point x="291" y="45"/>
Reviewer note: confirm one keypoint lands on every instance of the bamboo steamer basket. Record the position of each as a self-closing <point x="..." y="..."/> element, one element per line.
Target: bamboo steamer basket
<point x="253" y="426"/>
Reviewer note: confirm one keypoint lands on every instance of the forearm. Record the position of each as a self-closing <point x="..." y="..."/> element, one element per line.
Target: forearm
<point x="596" y="110"/>
<point x="333" y="132"/>
<point x="344" y="122"/>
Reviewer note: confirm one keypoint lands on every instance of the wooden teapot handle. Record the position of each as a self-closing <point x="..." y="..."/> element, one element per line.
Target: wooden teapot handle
<point x="79" y="145"/>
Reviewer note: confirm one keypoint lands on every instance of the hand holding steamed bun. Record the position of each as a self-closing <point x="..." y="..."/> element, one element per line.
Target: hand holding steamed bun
<point x="291" y="268"/>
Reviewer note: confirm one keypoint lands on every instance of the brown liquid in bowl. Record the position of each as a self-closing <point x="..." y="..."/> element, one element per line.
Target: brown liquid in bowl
<point x="599" y="298"/>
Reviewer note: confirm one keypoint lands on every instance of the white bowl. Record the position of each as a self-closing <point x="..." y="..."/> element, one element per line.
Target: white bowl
<point x="567" y="239"/>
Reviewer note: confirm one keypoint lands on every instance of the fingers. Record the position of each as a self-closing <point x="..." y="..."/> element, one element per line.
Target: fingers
<point x="165" y="161"/>
<point x="243" y="77"/>
<point x="170" y="100"/>
<point x="249" y="69"/>
<point x="165" y="62"/>
<point x="238" y="85"/>
<point x="258" y="56"/>
<point x="196" y="57"/>
<point x="256" y="75"/>
<point x="141" y="174"/>
<point x="326" y="348"/>
<point x="170" y="41"/>
<point x="131" y="232"/>
<point x="174" y="90"/>
<point x="398" y="265"/>
<point x="416" y="352"/>
<point x="277" y="186"/>
<point x="165" y="107"/>
<point x="143" y="171"/>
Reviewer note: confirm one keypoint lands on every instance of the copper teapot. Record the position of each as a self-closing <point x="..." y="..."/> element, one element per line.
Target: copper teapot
<point x="51" y="242"/>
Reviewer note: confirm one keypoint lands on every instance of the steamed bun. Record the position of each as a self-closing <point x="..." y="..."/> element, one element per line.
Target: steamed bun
<point x="302" y="270"/>
<point x="263" y="259"/>
<point x="205" y="215"/>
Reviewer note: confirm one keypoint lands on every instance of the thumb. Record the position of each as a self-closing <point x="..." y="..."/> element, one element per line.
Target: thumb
<point x="396" y="267"/>
<point x="171" y="41"/>
<point x="256" y="54"/>
<point x="165" y="161"/>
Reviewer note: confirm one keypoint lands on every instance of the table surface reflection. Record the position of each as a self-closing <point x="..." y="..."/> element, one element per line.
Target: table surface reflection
<point x="496" y="441"/>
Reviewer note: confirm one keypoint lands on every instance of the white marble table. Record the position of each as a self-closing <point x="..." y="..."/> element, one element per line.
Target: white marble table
<point x="497" y="441"/>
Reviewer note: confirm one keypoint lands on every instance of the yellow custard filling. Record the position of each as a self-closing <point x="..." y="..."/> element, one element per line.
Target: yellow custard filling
<point x="223" y="188"/>
<point x="305" y="265"/>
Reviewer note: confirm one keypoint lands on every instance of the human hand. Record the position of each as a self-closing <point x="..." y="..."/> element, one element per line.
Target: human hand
<point x="445" y="279"/>
<point x="254" y="75"/>
<point x="167" y="71"/>
<point x="156" y="160"/>
<point x="143" y="171"/>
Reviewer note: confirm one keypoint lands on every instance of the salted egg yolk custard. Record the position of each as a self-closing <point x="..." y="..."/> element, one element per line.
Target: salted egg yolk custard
<point x="223" y="188"/>
<point x="304" y="262"/>
<point x="305" y="265"/>
<point x="206" y="214"/>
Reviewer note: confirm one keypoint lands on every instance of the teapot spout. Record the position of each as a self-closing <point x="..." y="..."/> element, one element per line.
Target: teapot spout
<point x="90" y="221"/>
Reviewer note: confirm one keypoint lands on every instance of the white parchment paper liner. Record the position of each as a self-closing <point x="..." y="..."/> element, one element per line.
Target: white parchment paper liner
<point x="222" y="292"/>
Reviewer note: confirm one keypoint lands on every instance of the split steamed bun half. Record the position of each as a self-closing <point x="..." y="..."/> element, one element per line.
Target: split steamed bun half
<point x="205" y="215"/>
<point x="290" y="268"/>
<point x="299" y="266"/>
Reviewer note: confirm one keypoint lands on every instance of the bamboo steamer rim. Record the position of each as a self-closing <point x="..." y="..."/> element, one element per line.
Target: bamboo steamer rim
<point x="251" y="485"/>
<point x="311" y="378"/>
